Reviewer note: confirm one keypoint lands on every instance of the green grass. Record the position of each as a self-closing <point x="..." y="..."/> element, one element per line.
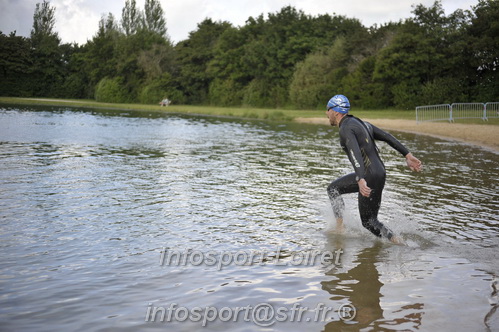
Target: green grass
<point x="240" y="112"/>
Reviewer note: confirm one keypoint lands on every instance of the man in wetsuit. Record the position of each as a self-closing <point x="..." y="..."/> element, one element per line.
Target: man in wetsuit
<point x="357" y="140"/>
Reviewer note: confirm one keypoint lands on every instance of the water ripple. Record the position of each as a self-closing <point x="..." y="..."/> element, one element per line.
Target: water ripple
<point x="88" y="199"/>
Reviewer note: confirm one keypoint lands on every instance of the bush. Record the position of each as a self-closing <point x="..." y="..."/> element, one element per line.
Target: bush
<point x="159" y="89"/>
<point x="74" y="87"/>
<point x="255" y="94"/>
<point x="319" y="77"/>
<point x="151" y="94"/>
<point x="110" y="90"/>
<point x="225" y="92"/>
<point x="406" y="95"/>
<point x="443" y="90"/>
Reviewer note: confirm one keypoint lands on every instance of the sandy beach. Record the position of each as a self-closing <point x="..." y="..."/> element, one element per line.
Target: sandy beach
<point x="486" y="136"/>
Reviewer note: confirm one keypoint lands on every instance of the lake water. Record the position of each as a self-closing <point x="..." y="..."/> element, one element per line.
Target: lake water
<point x="94" y="206"/>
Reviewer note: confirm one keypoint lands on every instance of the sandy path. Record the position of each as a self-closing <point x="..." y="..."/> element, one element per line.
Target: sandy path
<point x="483" y="135"/>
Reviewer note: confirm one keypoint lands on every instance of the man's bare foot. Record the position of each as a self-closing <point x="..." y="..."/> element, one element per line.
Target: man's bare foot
<point x="397" y="240"/>
<point x="340" y="227"/>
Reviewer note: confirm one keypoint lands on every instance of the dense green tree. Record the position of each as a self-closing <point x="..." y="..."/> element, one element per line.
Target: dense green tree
<point x="362" y="89"/>
<point x="156" y="61"/>
<point x="131" y="18"/>
<point x="359" y="84"/>
<point x="130" y="58"/>
<point x="319" y="75"/>
<point x="483" y="38"/>
<point x="76" y="81"/>
<point x="261" y="56"/>
<point x="153" y="18"/>
<point x="287" y="58"/>
<point x="43" y="24"/>
<point x="272" y="67"/>
<point x="228" y="69"/>
<point x="158" y="65"/>
<point x="99" y="54"/>
<point x="47" y="59"/>
<point x="16" y="62"/>
<point x="137" y="56"/>
<point x="145" y="53"/>
<point x="194" y="55"/>
<point x="404" y="65"/>
<point x="421" y="54"/>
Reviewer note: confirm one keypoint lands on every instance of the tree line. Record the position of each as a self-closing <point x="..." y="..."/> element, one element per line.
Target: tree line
<point x="287" y="59"/>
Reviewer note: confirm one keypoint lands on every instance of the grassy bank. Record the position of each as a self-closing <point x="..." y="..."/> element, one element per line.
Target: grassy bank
<point x="468" y="130"/>
<point x="242" y="112"/>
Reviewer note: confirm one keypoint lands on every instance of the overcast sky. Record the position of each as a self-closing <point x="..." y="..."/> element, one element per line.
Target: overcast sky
<point x="77" y="20"/>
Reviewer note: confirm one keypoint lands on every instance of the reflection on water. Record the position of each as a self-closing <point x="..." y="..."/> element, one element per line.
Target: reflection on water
<point x="88" y="199"/>
<point x="361" y="286"/>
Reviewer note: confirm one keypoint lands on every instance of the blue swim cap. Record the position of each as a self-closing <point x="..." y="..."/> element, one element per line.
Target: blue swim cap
<point x="339" y="103"/>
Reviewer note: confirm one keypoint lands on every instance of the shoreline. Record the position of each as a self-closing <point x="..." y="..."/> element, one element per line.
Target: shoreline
<point x="480" y="135"/>
<point x="484" y="136"/>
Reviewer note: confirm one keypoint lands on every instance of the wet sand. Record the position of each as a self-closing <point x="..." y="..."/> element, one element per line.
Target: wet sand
<point x="486" y="136"/>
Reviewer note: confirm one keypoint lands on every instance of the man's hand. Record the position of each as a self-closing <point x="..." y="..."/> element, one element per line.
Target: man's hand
<point x="413" y="163"/>
<point x="363" y="188"/>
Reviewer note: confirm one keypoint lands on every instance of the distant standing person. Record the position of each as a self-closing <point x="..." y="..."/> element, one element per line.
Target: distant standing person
<point x="357" y="140"/>
<point x="165" y="102"/>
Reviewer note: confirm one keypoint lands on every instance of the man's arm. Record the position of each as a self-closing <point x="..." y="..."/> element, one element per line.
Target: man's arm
<point x="382" y="135"/>
<point x="412" y="162"/>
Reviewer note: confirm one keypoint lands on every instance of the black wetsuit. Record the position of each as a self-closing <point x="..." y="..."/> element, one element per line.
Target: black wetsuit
<point x="356" y="139"/>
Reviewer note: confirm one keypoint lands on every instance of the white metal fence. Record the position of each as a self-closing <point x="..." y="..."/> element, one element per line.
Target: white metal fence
<point x="450" y="112"/>
<point x="468" y="111"/>
<point x="433" y="112"/>
<point x="492" y="110"/>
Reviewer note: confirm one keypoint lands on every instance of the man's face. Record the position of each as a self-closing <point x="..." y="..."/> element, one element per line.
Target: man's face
<point x="332" y="117"/>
